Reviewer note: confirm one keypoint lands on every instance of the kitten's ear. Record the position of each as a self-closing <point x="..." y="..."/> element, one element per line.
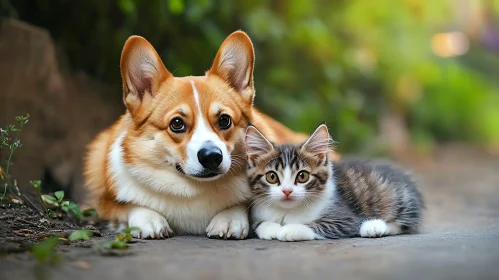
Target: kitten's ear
<point x="234" y="63"/>
<point x="318" y="143"/>
<point x="256" y="145"/>
<point x="142" y="72"/>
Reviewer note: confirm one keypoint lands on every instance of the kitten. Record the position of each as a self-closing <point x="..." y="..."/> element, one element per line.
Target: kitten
<point x="299" y="195"/>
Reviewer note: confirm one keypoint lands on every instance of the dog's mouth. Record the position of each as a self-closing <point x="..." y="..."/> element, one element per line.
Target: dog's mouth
<point x="179" y="169"/>
<point x="205" y="174"/>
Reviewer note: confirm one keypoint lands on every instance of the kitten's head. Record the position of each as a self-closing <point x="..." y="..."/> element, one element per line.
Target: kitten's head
<point x="288" y="175"/>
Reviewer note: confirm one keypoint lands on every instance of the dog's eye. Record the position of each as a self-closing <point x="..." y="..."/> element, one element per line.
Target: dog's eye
<point x="177" y="125"/>
<point x="271" y="177"/>
<point x="302" y="177"/>
<point x="224" y="122"/>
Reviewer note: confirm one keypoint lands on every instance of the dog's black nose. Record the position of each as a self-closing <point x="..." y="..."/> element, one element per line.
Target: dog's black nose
<point x="210" y="157"/>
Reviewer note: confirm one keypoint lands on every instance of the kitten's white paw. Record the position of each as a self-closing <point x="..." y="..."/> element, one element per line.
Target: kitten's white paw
<point x="373" y="228"/>
<point x="268" y="230"/>
<point x="151" y="223"/>
<point x="230" y="223"/>
<point x="295" y="232"/>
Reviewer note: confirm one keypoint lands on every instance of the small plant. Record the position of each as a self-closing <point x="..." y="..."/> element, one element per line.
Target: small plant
<point x="11" y="144"/>
<point x="81" y="234"/>
<point x="90" y="212"/>
<point x="106" y="247"/>
<point x="44" y="252"/>
<point x="59" y="203"/>
<point x="126" y="234"/>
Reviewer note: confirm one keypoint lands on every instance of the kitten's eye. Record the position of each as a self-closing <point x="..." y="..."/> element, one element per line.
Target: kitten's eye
<point x="224" y="122"/>
<point x="177" y="125"/>
<point x="272" y="177"/>
<point x="302" y="177"/>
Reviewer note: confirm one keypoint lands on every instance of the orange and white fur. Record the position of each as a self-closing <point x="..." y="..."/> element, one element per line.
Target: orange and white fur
<point x="175" y="162"/>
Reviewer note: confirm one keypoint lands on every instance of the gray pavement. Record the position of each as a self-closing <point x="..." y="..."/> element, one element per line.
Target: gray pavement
<point x="460" y="240"/>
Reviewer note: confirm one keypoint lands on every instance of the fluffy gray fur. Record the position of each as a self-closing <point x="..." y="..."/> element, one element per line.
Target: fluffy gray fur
<point x="363" y="190"/>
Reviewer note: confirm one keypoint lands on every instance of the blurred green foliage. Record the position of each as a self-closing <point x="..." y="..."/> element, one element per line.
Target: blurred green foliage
<point x="343" y="61"/>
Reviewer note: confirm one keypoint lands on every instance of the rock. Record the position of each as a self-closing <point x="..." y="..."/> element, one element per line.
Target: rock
<point x="67" y="110"/>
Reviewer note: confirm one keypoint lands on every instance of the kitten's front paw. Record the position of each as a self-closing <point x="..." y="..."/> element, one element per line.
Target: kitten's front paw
<point x="268" y="230"/>
<point x="229" y="224"/>
<point x="151" y="223"/>
<point x="295" y="232"/>
<point x="373" y="228"/>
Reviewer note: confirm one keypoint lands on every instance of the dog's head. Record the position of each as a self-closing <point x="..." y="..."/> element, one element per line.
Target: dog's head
<point x="194" y="125"/>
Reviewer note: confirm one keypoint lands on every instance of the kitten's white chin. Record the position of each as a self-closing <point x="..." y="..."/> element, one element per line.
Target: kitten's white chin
<point x="288" y="204"/>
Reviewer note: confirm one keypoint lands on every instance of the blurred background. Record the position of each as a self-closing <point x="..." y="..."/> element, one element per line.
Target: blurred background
<point x="396" y="78"/>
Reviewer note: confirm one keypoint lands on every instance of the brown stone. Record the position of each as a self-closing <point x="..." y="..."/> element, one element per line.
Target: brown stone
<point x="67" y="110"/>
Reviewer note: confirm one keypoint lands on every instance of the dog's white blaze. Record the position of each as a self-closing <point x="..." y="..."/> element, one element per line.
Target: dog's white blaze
<point x="202" y="134"/>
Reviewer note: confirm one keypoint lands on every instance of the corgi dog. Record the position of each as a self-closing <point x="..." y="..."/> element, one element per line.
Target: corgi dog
<point x="175" y="162"/>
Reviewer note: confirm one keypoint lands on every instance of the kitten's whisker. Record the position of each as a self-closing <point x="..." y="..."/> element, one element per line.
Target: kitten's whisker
<point x="258" y="199"/>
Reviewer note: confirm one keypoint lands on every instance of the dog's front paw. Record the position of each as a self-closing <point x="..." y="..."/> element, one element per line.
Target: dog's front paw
<point x="151" y="223"/>
<point x="295" y="232"/>
<point x="373" y="228"/>
<point x="229" y="224"/>
<point x="268" y="230"/>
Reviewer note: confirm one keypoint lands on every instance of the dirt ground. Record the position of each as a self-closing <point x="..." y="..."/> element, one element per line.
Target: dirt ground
<point x="460" y="240"/>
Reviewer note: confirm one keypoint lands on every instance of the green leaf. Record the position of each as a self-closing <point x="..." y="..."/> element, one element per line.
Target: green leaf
<point x="36" y="184"/>
<point x="120" y="237"/>
<point x="44" y="252"/>
<point x="76" y="210"/>
<point x="90" y="212"/>
<point x="59" y="195"/>
<point x="51" y="213"/>
<point x="119" y="245"/>
<point x="81" y="234"/>
<point x="65" y="208"/>
<point x="128" y="238"/>
<point x="65" y="203"/>
<point x="49" y="199"/>
<point x="130" y="229"/>
<point x="22" y="119"/>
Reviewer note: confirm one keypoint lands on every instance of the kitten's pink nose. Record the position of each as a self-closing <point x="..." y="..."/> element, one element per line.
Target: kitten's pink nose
<point x="287" y="192"/>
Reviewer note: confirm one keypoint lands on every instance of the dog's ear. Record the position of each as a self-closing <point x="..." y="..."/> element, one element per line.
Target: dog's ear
<point x="234" y="63"/>
<point x="256" y="145"/>
<point x="318" y="144"/>
<point x="142" y="72"/>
